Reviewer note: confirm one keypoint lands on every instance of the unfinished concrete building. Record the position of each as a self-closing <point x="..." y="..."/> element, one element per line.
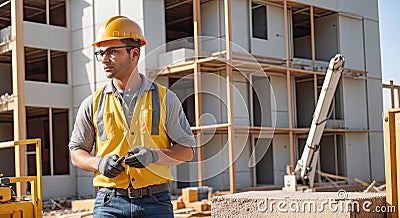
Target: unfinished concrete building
<point x="248" y="73"/>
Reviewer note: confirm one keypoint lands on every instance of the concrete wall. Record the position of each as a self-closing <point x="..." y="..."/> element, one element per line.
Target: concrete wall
<point x="58" y="186"/>
<point x="280" y="114"/>
<point x="354" y="103"/>
<point x="358" y="156"/>
<point x="215" y="103"/>
<point x="216" y="154"/>
<point x="377" y="156"/>
<point x="240" y="25"/>
<point x="351" y="42"/>
<point x="214" y="99"/>
<point x="47" y="94"/>
<point x="281" y="157"/>
<point x="326" y="37"/>
<point x="365" y="8"/>
<point x="210" y="18"/>
<point x="242" y="152"/>
<point x="43" y="36"/>
<point x="305" y="104"/>
<point x="372" y="49"/>
<point x="275" y="45"/>
<point x="241" y="100"/>
<point x="216" y="165"/>
<point x="374" y="90"/>
<point x="262" y="109"/>
<point x="154" y="31"/>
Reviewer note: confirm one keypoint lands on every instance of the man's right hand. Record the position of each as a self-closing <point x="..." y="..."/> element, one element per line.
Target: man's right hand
<point x="109" y="167"/>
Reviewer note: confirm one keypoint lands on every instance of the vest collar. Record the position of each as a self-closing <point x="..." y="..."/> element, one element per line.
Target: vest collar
<point x="146" y="85"/>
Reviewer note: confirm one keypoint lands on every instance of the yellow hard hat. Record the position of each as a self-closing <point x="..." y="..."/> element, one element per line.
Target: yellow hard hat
<point x="119" y="27"/>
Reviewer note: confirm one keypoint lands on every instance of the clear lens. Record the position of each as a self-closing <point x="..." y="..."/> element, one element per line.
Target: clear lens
<point x="111" y="52"/>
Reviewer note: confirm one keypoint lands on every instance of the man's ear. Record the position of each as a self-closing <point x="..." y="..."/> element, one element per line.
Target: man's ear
<point x="135" y="52"/>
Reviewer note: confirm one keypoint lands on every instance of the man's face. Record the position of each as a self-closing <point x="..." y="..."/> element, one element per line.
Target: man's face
<point x="117" y="62"/>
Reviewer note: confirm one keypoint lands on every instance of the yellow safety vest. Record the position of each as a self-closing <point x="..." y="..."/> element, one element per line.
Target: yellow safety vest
<point x="147" y="129"/>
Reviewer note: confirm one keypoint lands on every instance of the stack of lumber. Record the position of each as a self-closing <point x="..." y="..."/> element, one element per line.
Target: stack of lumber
<point x="194" y="202"/>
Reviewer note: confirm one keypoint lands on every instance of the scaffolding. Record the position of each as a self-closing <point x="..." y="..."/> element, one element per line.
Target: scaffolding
<point x="230" y="61"/>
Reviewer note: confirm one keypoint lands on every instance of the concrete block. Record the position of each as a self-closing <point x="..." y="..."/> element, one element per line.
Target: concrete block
<point x="287" y="204"/>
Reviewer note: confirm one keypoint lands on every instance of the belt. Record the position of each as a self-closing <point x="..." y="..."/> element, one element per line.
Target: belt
<point x="136" y="192"/>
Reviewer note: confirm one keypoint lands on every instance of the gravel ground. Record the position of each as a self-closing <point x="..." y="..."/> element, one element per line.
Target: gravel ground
<point x="55" y="207"/>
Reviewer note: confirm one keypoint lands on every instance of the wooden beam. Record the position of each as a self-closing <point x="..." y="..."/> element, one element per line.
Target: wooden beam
<point x="312" y="36"/>
<point x="197" y="89"/>
<point x="390" y="161"/>
<point x="398" y="97"/>
<point x="18" y="75"/>
<point x="392" y="93"/>
<point x="288" y="84"/>
<point x="229" y="95"/>
<point x="397" y="156"/>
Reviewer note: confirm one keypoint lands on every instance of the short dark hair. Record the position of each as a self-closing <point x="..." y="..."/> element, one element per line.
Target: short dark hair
<point x="131" y="42"/>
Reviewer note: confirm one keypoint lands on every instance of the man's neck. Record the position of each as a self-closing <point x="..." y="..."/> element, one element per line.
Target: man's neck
<point x="131" y="83"/>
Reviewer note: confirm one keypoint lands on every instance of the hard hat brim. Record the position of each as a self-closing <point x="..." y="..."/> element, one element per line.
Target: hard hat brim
<point x="142" y="42"/>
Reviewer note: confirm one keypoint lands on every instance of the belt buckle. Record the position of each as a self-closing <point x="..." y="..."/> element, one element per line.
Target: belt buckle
<point x="135" y="193"/>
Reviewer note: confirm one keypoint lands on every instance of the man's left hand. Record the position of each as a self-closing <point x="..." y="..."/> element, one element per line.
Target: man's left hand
<point x="140" y="157"/>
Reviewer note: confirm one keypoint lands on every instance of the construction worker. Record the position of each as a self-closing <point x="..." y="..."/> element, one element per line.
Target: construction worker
<point x="133" y="118"/>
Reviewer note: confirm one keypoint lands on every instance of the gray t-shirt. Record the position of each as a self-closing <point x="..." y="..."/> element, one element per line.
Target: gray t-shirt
<point x="176" y="125"/>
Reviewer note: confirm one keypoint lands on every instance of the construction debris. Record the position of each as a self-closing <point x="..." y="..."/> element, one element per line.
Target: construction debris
<point x="67" y="213"/>
<point x="60" y="207"/>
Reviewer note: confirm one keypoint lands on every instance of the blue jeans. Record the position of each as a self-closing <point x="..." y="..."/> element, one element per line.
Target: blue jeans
<point x="111" y="205"/>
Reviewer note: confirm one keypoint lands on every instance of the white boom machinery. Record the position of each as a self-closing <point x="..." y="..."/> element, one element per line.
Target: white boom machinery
<point x="303" y="176"/>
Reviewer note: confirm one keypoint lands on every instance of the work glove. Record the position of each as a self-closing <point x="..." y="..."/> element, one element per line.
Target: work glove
<point x="109" y="167"/>
<point x="140" y="157"/>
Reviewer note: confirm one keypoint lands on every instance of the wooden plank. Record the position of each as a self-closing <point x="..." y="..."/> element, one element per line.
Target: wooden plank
<point x="390" y="161"/>
<point x="397" y="155"/>
<point x="392" y="93"/>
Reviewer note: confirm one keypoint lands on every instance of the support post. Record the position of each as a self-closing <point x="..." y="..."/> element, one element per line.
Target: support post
<point x="197" y="89"/>
<point x="391" y="164"/>
<point x="18" y="78"/>
<point x="229" y="95"/>
<point x="288" y="78"/>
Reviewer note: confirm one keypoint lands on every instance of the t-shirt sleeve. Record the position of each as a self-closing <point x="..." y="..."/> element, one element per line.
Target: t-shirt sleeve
<point x="83" y="134"/>
<point x="177" y="125"/>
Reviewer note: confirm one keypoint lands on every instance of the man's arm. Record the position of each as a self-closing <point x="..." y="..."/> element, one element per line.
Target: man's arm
<point x="84" y="160"/>
<point x="82" y="138"/>
<point x="178" y="130"/>
<point x="175" y="155"/>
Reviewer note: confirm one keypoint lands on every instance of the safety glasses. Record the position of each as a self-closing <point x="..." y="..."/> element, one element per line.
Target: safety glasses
<point x="110" y="52"/>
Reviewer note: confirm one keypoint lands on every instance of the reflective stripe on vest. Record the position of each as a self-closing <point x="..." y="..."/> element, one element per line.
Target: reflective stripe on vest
<point x="147" y="129"/>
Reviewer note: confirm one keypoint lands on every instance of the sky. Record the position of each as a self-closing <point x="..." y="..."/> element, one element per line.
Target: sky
<point x="389" y="28"/>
